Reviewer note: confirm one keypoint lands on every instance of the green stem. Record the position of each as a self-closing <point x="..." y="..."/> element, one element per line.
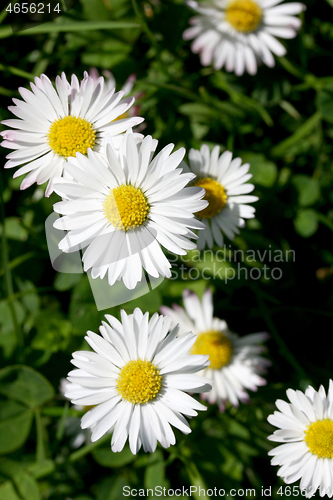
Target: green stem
<point x="3" y="14"/>
<point x="40" y="447"/>
<point x="144" y="25"/>
<point x="301" y="310"/>
<point x="325" y="220"/>
<point x="62" y="423"/>
<point x="6" y="92"/>
<point x="82" y="452"/>
<point x="174" y="88"/>
<point x="48" y="48"/>
<point x="58" y="411"/>
<point x="17" y="261"/>
<point x="303" y="130"/>
<point x="290" y="67"/>
<point x="16" y="71"/>
<point x="8" y="275"/>
<point x="20" y="294"/>
<point x="280" y="342"/>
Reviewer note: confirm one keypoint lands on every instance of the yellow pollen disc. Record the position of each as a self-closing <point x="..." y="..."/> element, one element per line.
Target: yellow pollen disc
<point x="216" y="345"/>
<point x="215" y="195"/>
<point x="243" y="15"/>
<point x="71" y="135"/>
<point x="126" y="207"/>
<point x="139" y="382"/>
<point x="319" y="438"/>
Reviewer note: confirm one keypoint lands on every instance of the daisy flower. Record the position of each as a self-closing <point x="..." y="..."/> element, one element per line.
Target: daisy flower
<point x="306" y="431"/>
<point x="239" y="34"/>
<point x="124" y="211"/>
<point x="235" y="362"/>
<point x="54" y="124"/>
<point x="225" y="182"/>
<point x="136" y="378"/>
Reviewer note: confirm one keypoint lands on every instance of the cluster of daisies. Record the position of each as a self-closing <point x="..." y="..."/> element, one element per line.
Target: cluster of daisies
<point x="136" y="377"/>
<point x="124" y="205"/>
<point x="121" y="202"/>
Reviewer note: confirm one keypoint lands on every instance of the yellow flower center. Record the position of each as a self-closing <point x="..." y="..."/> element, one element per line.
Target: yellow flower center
<point x="126" y="207"/>
<point x="215" y="195"/>
<point x="216" y="345"/>
<point x="139" y="382"/>
<point x="70" y="135"/>
<point x="319" y="438"/>
<point x="243" y="15"/>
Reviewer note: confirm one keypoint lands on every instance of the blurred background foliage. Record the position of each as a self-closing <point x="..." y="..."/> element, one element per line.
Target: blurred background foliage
<point x="281" y="121"/>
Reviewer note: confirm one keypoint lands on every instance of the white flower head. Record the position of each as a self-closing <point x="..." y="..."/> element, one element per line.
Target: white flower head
<point x="54" y="124"/>
<point x="306" y="431"/>
<point x="136" y="378"/>
<point x="225" y="181"/>
<point x="239" y="34"/>
<point x="123" y="211"/>
<point x="235" y="362"/>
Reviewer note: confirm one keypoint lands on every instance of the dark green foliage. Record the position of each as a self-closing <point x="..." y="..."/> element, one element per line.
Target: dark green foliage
<point x="281" y="122"/>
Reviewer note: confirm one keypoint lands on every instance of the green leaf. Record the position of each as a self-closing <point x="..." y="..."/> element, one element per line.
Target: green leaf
<point x="10" y="467"/>
<point x="324" y="103"/>
<point x="7" y="328"/>
<point x="195" y="478"/>
<point x="27" y="486"/>
<point x="105" y="457"/>
<point x="199" y="111"/>
<point x="150" y="302"/>
<point x="111" y="488"/>
<point x="300" y="135"/>
<point x="306" y="222"/>
<point x="26" y="385"/>
<point x="53" y="332"/>
<point x="176" y="288"/>
<point x="66" y="281"/>
<point x="81" y="26"/>
<point x="7" y="491"/>
<point x="30" y="297"/>
<point x="41" y="469"/>
<point x="155" y="473"/>
<point x="308" y="189"/>
<point x="15" y="425"/>
<point x="106" y="54"/>
<point x="14" y="229"/>
<point x="264" y="172"/>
